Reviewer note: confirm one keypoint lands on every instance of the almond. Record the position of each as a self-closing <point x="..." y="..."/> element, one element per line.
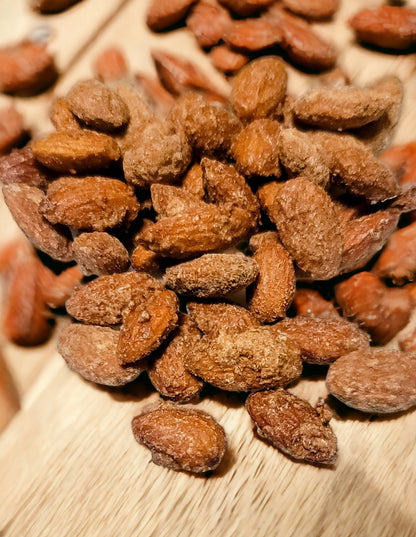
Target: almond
<point x="312" y="9"/>
<point x="61" y="116"/>
<point x="74" y="151"/>
<point x="111" y="65"/>
<point x="209" y="22"/>
<point x="212" y="275"/>
<point x="374" y="380"/>
<point x="164" y="13"/>
<point x="12" y="130"/>
<point x="91" y="351"/>
<point x="311" y="302"/>
<point x="227" y="60"/>
<point x="90" y="203"/>
<point x="252" y="35"/>
<point x="170" y="200"/>
<point x="99" y="253"/>
<point x="181" y="438"/>
<point x="293" y="426"/>
<point x="20" y="166"/>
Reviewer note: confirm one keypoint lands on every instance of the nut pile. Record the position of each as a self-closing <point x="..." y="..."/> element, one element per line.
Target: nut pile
<point x="284" y="200"/>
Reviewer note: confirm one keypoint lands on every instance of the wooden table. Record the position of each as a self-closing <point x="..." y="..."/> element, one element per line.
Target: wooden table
<point x="69" y="465"/>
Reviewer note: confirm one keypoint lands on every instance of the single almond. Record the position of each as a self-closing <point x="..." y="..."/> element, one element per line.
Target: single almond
<point x="100" y="253"/>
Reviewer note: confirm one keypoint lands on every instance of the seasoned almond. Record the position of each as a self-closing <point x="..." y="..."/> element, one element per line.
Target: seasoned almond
<point x="166" y="367"/>
<point x="255" y="149"/>
<point x="306" y="222"/>
<point x="144" y="259"/>
<point x="58" y="289"/>
<point x="387" y="27"/>
<point x="76" y="151"/>
<point x="299" y="155"/>
<point x="193" y="182"/>
<point x="26" y="68"/>
<point x="212" y="275"/>
<point x="397" y="261"/>
<point x="251" y="35"/>
<point x="160" y="154"/>
<point x="106" y="299"/>
<point x="340" y="108"/>
<point x="147" y="325"/>
<point x="24" y="202"/>
<point x="111" y="65"/>
<point x="98" y="106"/>
<point x="91" y="351"/>
<point x="99" y="253"/>
<point x="375" y="380"/>
<point x="354" y="165"/>
<point x="213" y="317"/>
<point x="311" y="302"/>
<point x="181" y="438"/>
<point x="380" y="310"/>
<point x="209" y="129"/>
<point x="259" y="89"/>
<point x="312" y="9"/>
<point x="170" y="200"/>
<point x="61" y="116"/>
<point x="322" y="341"/>
<point x="209" y="22"/>
<point x="197" y="232"/>
<point x="226" y="59"/>
<point x="20" y="166"/>
<point x="270" y="295"/>
<point x="12" y="130"/>
<point x="293" y="426"/>
<point x="90" y="203"/>
<point x="255" y="359"/>
<point x="363" y="237"/>
<point x="246" y="8"/>
<point x="164" y="13"/>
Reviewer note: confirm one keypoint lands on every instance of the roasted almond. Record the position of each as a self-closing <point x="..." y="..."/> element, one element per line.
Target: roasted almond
<point x="164" y="13"/>
<point x="20" y="166"/>
<point x="374" y="380"/>
<point x="100" y="253"/>
<point x="293" y="426"/>
<point x="181" y="438"/>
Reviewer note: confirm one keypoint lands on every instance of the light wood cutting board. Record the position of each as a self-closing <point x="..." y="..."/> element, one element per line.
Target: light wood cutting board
<point x="69" y="465"/>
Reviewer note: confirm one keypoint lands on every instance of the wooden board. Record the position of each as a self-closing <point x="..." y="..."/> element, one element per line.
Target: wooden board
<point x="69" y="465"/>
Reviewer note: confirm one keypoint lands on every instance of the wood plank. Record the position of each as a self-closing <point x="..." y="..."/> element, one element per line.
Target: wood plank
<point x="69" y="463"/>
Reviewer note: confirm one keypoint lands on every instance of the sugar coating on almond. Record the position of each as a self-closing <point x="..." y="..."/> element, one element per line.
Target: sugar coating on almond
<point x="374" y="380"/>
<point x="293" y="426"/>
<point x="100" y="253"/>
<point x="307" y="224"/>
<point x="212" y="275"/>
<point x="97" y="105"/>
<point x="91" y="351"/>
<point x="181" y="438"/>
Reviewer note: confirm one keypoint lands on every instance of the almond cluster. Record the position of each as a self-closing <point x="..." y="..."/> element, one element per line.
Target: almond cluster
<point x="228" y="245"/>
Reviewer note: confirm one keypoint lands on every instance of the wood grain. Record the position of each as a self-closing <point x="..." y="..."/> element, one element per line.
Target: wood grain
<point x="70" y="466"/>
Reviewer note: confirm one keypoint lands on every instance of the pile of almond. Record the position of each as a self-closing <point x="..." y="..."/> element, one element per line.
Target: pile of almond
<point x="228" y="245"/>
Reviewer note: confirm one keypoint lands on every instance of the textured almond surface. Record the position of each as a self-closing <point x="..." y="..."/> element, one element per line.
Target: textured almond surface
<point x="271" y="294"/>
<point x="259" y="89"/>
<point x="98" y="106"/>
<point x="199" y="231"/>
<point x="181" y="438"/>
<point x="104" y="300"/>
<point x="255" y="359"/>
<point x="24" y="203"/>
<point x="20" y="166"/>
<point x="209" y="22"/>
<point x="212" y="275"/>
<point x="293" y="426"/>
<point x="79" y="151"/>
<point x="168" y="200"/>
<point x="312" y="9"/>
<point x="322" y="341"/>
<point x="147" y="325"/>
<point x="99" y="253"/>
<point x="91" y="351"/>
<point x="212" y="317"/>
<point x="252" y="35"/>
<point x="375" y="380"/>
<point x="61" y="116"/>
<point x="90" y="203"/>
<point x="311" y="302"/>
<point x="164" y="13"/>
<point x="307" y="224"/>
<point x="166" y="367"/>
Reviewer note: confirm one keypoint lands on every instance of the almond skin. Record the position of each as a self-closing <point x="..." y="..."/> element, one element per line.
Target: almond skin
<point x="90" y="203"/>
<point x="379" y="381"/>
<point x="20" y="166"/>
<point x="255" y="359"/>
<point x="147" y="325"/>
<point x="99" y="253"/>
<point x="293" y="426"/>
<point x="322" y="341"/>
<point x="164" y="13"/>
<point x="209" y="22"/>
<point x="24" y="202"/>
<point x="106" y="299"/>
<point x="212" y="275"/>
<point x="166" y="368"/>
<point x="91" y="351"/>
<point x="181" y="438"/>
<point x="306" y="221"/>
<point x="76" y="151"/>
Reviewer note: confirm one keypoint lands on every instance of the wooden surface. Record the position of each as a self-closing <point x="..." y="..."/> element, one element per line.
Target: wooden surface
<point x="69" y="465"/>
